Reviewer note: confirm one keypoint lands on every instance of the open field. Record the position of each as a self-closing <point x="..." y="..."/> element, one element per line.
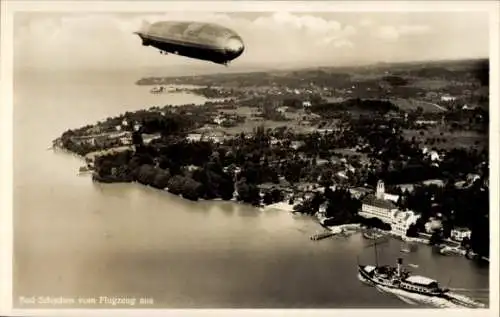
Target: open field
<point x="447" y="139"/>
<point x="429" y="84"/>
<point x="250" y="125"/>
<point x="252" y="122"/>
<point x="241" y="111"/>
<point x="412" y="104"/>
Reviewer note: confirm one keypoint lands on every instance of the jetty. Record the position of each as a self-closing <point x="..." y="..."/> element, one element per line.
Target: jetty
<point x="322" y="235"/>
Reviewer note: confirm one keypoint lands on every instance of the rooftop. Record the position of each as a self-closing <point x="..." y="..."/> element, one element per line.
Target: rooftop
<point x="402" y="215"/>
<point x="380" y="203"/>
<point x="461" y="229"/>
<point x="360" y="189"/>
<point x="422" y="280"/>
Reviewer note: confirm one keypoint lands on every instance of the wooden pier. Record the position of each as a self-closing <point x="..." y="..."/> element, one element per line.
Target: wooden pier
<point x="322" y="235"/>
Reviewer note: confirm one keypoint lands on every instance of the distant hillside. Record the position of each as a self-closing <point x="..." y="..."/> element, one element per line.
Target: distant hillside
<point x="396" y="75"/>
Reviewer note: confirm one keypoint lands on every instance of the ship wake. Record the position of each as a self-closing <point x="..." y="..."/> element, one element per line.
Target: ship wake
<point x="455" y="301"/>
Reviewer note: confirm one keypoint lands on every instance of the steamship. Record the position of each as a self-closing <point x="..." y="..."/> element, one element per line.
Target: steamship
<point x="399" y="278"/>
<point x="402" y="279"/>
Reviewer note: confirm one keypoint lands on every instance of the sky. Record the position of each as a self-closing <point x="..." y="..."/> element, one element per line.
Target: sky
<point x="69" y="41"/>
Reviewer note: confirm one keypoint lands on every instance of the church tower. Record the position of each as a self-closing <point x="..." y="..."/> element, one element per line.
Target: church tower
<point x="380" y="190"/>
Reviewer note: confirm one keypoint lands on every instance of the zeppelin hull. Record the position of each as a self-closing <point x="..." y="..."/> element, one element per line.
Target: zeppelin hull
<point x="202" y="41"/>
<point x="190" y="50"/>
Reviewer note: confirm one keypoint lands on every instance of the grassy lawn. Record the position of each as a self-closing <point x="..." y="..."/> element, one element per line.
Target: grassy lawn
<point x="250" y="125"/>
<point x="429" y="84"/>
<point x="412" y="104"/>
<point x="465" y="139"/>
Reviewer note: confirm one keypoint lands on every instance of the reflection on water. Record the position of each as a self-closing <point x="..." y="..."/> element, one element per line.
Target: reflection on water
<point x="74" y="237"/>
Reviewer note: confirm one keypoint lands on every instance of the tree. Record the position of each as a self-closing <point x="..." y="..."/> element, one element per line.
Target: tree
<point x="161" y="179"/>
<point x="226" y="188"/>
<point x="137" y="139"/>
<point x="191" y="189"/>
<point x="176" y="184"/>
<point x="277" y="195"/>
<point x="436" y="238"/>
<point x="412" y="231"/>
<point x="465" y="243"/>
<point x="480" y="237"/>
<point x="268" y="198"/>
<point x="146" y="174"/>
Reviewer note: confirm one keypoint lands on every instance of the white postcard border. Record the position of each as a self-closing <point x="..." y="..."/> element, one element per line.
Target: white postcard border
<point x="6" y="133"/>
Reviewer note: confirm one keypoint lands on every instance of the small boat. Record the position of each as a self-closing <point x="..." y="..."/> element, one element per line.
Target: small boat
<point x="405" y="248"/>
<point x="413" y="265"/>
<point x="157" y="90"/>
<point x="372" y="235"/>
<point x="84" y="170"/>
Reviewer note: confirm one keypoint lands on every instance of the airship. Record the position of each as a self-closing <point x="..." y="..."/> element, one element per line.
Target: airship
<point x="202" y="41"/>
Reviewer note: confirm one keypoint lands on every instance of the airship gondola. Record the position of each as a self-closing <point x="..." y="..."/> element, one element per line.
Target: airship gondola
<point x="203" y="41"/>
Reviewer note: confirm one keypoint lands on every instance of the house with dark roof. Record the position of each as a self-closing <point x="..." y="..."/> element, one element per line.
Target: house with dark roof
<point x="359" y="192"/>
<point x="378" y="206"/>
<point x="375" y="205"/>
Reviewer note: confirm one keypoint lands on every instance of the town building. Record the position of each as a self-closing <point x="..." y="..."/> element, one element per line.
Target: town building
<point x="472" y="177"/>
<point x="359" y="192"/>
<point x="274" y="141"/>
<point x="219" y="120"/>
<point x="126" y="140"/>
<point x="448" y="98"/>
<point x="437" y="182"/>
<point x="391" y="197"/>
<point x="433" y="225"/>
<point x="297" y="144"/>
<point x="458" y="234"/>
<point x="378" y="206"/>
<point x="194" y="137"/>
<point x="426" y="122"/>
<point x="375" y="205"/>
<point x="431" y="95"/>
<point x="282" y="110"/>
<point x="402" y="220"/>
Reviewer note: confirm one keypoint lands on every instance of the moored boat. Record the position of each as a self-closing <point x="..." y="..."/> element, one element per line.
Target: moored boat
<point x="372" y="235"/>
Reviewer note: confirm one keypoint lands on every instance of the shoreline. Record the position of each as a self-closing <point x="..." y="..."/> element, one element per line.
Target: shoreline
<point x="282" y="206"/>
<point x="342" y="229"/>
<point x="194" y="188"/>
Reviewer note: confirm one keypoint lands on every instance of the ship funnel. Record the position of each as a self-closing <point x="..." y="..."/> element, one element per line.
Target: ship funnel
<point x="400" y="262"/>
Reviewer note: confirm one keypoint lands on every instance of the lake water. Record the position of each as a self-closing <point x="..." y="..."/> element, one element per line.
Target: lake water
<point x="75" y="238"/>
